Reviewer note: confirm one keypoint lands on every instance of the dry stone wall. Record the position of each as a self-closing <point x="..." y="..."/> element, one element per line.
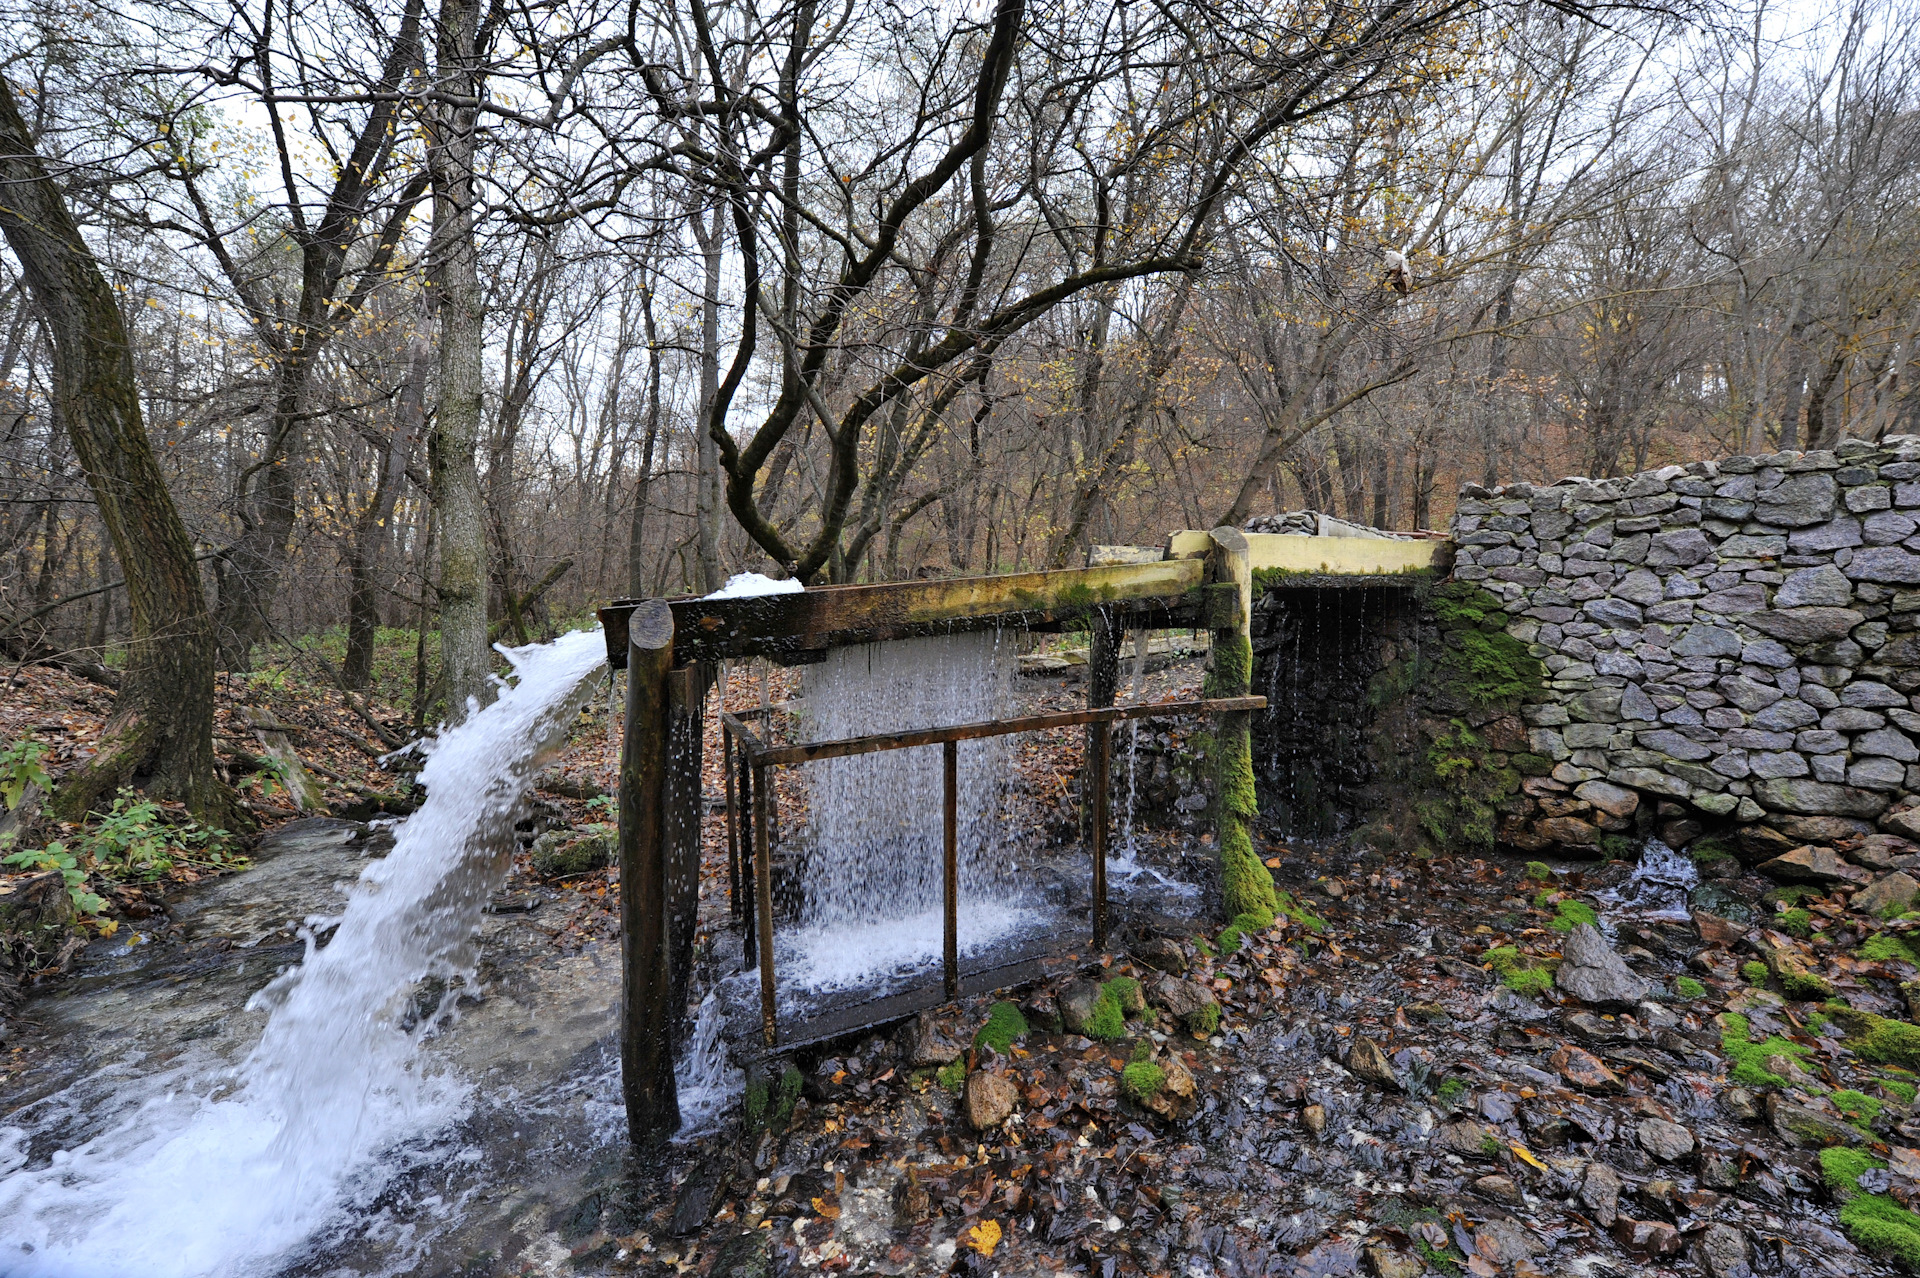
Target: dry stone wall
<point x="1727" y="641"/>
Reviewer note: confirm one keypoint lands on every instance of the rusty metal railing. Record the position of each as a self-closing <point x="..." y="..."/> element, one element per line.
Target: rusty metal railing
<point x="748" y="791"/>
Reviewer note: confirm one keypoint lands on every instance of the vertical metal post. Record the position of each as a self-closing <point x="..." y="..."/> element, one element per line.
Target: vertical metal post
<point x="950" y="861"/>
<point x="646" y="1033"/>
<point x="763" y="894"/>
<point x="733" y="819"/>
<point x="1097" y="798"/>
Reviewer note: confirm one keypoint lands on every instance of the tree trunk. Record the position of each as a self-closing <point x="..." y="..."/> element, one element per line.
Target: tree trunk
<point x="453" y="271"/>
<point x="161" y="730"/>
<point x="374" y="531"/>
<point x="708" y="499"/>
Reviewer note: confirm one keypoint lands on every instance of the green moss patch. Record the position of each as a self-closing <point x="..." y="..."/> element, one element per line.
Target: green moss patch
<point x="1755" y="972"/>
<point x="1241" y="926"/>
<point x="1539" y="872"/>
<point x="1568" y="915"/>
<point x="1796" y="922"/>
<point x="1286" y="904"/>
<point x="1885" y="947"/>
<point x="1750" y="1059"/>
<point x="1004" y="1024"/>
<point x="1857" y="1108"/>
<point x="1901" y="1090"/>
<point x="1878" y="1039"/>
<point x="953" y="1076"/>
<point x="1143" y="1080"/>
<point x="1518" y="972"/>
<point x="1791" y="896"/>
<point x="1687" y="987"/>
<point x="1206" y="1020"/>
<point x="1875" y="1222"/>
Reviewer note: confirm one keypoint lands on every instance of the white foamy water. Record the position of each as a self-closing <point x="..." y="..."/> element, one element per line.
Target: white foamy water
<point x="1659" y="885"/>
<point x="874" y="820"/>
<point x="222" y="1175"/>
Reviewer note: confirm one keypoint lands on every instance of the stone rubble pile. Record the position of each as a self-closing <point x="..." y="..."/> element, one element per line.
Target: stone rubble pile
<point x="1741" y="637"/>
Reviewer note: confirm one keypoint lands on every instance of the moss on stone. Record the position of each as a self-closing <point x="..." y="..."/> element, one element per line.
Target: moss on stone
<point x="1568" y="915"/>
<point x="1885" y="947"/>
<point x="1797" y="922"/>
<point x="1805" y="987"/>
<point x="1004" y="1024"/>
<point x="1108" y="1022"/>
<point x="1857" y="1108"/>
<point x="1539" y="872"/>
<point x="1687" y="987"/>
<point x="1790" y="896"/>
<point x="1901" y="1090"/>
<point x="1876" y="1223"/>
<point x="1284" y="903"/>
<point x="1143" y="1080"/>
<point x="1750" y="1059"/>
<point x="1205" y="1019"/>
<point x="953" y="1075"/>
<point x="1841" y="1167"/>
<point x="1880" y="1040"/>
<point x="1755" y="972"/>
<point x="1532" y="981"/>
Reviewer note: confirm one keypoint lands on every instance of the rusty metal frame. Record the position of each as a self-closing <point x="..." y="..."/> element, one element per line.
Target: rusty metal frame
<point x="756" y="757"/>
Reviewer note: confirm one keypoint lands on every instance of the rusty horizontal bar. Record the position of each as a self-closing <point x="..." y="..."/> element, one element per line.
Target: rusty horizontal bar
<point x="741" y="730"/>
<point x="809" y="751"/>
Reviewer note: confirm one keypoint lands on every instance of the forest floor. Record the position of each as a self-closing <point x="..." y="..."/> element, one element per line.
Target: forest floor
<point x="1394" y="1079"/>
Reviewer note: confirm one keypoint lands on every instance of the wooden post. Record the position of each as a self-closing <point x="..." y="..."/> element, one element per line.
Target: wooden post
<point x="763" y="901"/>
<point x="1245" y="885"/>
<point x="648" y="1018"/>
<point x="733" y="821"/>
<point x="1103" y="683"/>
<point x="683" y="801"/>
<point x="950" y="862"/>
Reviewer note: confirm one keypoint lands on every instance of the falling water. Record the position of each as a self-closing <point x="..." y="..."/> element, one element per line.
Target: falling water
<point x="875" y="827"/>
<point x="1659" y="885"/>
<point x="218" y="1176"/>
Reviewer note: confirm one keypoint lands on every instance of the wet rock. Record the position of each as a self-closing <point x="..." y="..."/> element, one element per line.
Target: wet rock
<point x="1600" y="1191"/>
<point x="1721" y="1251"/>
<point x="1647" y="1237"/>
<point x="701" y="1192"/>
<point x="1809" y="864"/>
<point x="1593" y="973"/>
<point x="1668" y="1142"/>
<point x="1881" y="851"/>
<point x="1077" y="1001"/>
<point x="1584" y="1070"/>
<point x="1503" y="1242"/>
<point x="569" y="852"/>
<point x="1589" y="1028"/>
<point x="1386" y="1262"/>
<point x="1163" y="955"/>
<point x="1500" y="1189"/>
<point x="990" y="1100"/>
<point x="36" y="917"/>
<point x="1890" y="894"/>
<point x="1806" y="1128"/>
<point x="1718" y="932"/>
<point x="1370" y="1064"/>
<point x="928" y="1043"/>
<point x="1468" y="1139"/>
<point x="1176" y="997"/>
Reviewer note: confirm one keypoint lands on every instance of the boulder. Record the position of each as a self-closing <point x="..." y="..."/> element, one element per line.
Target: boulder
<point x="1810" y="864"/>
<point x="1721" y="1252"/>
<point x="1819" y="798"/>
<point x="1880" y="851"/>
<point x="1178" y="998"/>
<point x="1164" y="955"/>
<point x="1888" y="895"/>
<point x="1594" y="974"/>
<point x="1904" y="822"/>
<point x="990" y="1100"/>
<point x="1077" y="1001"/>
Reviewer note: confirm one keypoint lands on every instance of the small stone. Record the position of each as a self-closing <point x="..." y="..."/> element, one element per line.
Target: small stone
<point x="1583" y="1069"/>
<point x="1716" y="931"/>
<point x="1600" y="1191"/>
<point x="930" y="1043"/>
<point x="1808" y="1128"/>
<point x="1647" y="1237"/>
<point x="1164" y="955"/>
<point x="1077" y="1002"/>
<point x="990" y="1100"/>
<point x="1593" y="973"/>
<point x="1179" y="1095"/>
<point x="1721" y="1251"/>
<point x="1500" y="1189"/>
<point x="1741" y="1105"/>
<point x="1888" y="895"/>
<point x="1668" y="1142"/>
<point x="1368" y="1062"/>
<point x="1469" y="1139"/>
<point x="1386" y="1262"/>
<point x="1809" y="864"/>
<point x="1314" y="1118"/>
<point x="1502" y="1242"/>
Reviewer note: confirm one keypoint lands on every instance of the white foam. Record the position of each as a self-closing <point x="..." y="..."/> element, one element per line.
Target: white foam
<point x="218" y="1173"/>
<point x="834" y="956"/>
<point x="746" y="585"/>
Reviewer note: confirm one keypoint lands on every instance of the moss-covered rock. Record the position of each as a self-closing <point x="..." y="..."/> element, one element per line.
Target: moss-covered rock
<point x="562" y="854"/>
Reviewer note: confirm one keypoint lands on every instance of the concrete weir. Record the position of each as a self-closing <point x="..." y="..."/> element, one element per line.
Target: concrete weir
<point x="1203" y="580"/>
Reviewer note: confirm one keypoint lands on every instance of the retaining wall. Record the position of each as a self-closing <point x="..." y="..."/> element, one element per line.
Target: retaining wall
<point x="1737" y="640"/>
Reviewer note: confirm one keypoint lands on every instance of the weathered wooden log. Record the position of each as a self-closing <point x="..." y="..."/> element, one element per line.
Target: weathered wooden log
<point x="682" y="799"/>
<point x="1103" y="683"/>
<point x="648" y="1019"/>
<point x="1245" y="885"/>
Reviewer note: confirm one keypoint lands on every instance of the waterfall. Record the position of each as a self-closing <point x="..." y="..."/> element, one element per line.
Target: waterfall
<point x="219" y="1176"/>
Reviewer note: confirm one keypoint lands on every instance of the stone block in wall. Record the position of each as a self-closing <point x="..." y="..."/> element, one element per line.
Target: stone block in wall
<point x="1650" y="780"/>
<point x="1825" y="539"/>
<point x="1805" y="625"/>
<point x="1818" y="798"/>
<point x="1888" y="742"/>
<point x="1887" y="528"/>
<point x="1874" y="773"/>
<point x="1825" y="585"/>
<point x="1796" y="502"/>
<point x="1888" y="564"/>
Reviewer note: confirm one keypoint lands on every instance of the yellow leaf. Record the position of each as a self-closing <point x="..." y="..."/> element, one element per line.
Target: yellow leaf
<point x="1520" y="1151"/>
<point x="984" y="1237"/>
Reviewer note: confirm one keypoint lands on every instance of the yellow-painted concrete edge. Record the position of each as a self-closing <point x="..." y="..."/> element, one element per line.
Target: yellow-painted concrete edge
<point x="1339" y="556"/>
